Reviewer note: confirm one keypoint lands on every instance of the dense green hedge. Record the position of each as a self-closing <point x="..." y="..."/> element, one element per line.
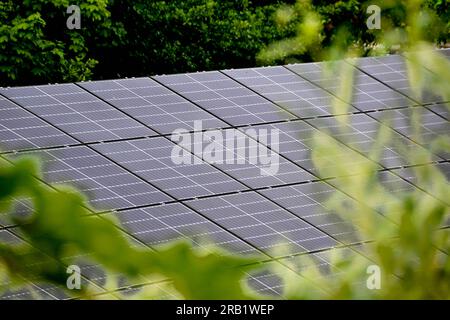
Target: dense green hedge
<point x="130" y="38"/>
<point x="190" y="35"/>
<point x="143" y="37"/>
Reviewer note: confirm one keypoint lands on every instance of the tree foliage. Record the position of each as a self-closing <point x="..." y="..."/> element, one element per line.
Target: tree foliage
<point x="121" y="38"/>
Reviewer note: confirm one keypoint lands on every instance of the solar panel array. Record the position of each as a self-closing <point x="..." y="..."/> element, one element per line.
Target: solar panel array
<point x="112" y="139"/>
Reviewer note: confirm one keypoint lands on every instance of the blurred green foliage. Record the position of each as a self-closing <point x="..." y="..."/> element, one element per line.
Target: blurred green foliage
<point x="326" y="27"/>
<point x="412" y="244"/>
<point x="60" y="229"/>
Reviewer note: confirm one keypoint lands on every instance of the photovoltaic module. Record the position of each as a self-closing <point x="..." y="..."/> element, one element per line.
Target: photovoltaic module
<point x="114" y="140"/>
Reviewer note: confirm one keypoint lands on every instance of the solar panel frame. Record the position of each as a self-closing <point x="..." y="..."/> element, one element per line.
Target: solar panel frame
<point x="296" y="139"/>
<point x="409" y="175"/>
<point x="431" y="126"/>
<point x="246" y="166"/>
<point x="360" y="133"/>
<point x="441" y="110"/>
<point x="308" y="201"/>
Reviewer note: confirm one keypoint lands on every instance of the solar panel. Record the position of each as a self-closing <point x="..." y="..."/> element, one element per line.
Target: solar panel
<point x="107" y="185"/>
<point x="151" y="160"/>
<point x="158" y="225"/>
<point x="296" y="143"/>
<point x="33" y="288"/>
<point x="243" y="161"/>
<point x="392" y="71"/>
<point x="20" y="130"/>
<point x="152" y="104"/>
<point x="269" y="280"/>
<point x="368" y="93"/>
<point x="225" y="98"/>
<point x="288" y="90"/>
<point x="393" y="187"/>
<point x="431" y="126"/>
<point x="360" y="133"/>
<point x="76" y="112"/>
<point x="251" y="185"/>
<point x="308" y="201"/>
<point x="410" y="175"/>
<point x="263" y="224"/>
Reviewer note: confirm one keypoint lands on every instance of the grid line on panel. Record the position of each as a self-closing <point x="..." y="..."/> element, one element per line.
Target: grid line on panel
<point x="368" y="112"/>
<point x="287" y="89"/>
<point x="444" y="114"/>
<point x="308" y="121"/>
<point x="392" y="87"/>
<point x="431" y="126"/>
<point x="18" y="128"/>
<point x="245" y="214"/>
<point x="93" y="213"/>
<point x="224" y="172"/>
<point x="418" y="103"/>
<point x="223" y="97"/>
<point x="445" y="52"/>
<point x="140" y="241"/>
<point x="368" y="94"/>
